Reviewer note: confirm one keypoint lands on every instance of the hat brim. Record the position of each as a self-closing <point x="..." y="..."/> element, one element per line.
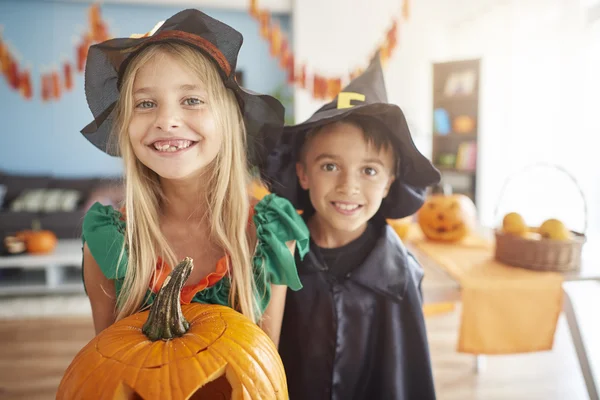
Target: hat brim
<point x="406" y="193"/>
<point x="263" y="115"/>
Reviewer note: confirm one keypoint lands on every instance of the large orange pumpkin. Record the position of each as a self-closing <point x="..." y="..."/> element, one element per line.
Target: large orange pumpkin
<point x="194" y="351"/>
<point x="447" y="218"/>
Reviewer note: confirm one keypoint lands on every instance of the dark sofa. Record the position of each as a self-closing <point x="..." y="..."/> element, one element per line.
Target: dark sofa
<point x="65" y="223"/>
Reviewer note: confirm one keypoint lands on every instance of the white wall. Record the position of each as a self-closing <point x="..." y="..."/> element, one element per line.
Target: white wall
<point x="335" y="36"/>
<point x="538" y="90"/>
<point x="538" y="93"/>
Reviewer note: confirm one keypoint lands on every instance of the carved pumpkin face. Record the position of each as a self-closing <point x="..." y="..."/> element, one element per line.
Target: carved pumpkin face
<point x="220" y="343"/>
<point x="447" y="217"/>
<point x="197" y="351"/>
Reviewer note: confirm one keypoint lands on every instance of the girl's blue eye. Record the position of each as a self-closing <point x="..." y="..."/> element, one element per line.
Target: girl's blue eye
<point x="370" y="171"/>
<point x="193" y="101"/>
<point x="329" y="167"/>
<point x="145" y="104"/>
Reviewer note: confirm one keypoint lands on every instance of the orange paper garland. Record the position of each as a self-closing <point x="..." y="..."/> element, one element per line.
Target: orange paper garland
<point x="322" y="87"/>
<point x="53" y="82"/>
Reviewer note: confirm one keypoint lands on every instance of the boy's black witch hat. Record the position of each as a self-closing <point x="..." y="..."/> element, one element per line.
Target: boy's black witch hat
<point x="364" y="97"/>
<point x="106" y="63"/>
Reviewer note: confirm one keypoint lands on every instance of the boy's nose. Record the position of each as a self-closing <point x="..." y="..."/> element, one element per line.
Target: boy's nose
<point x="348" y="185"/>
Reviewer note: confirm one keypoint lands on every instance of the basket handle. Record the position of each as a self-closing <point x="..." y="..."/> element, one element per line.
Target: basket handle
<point x="542" y="164"/>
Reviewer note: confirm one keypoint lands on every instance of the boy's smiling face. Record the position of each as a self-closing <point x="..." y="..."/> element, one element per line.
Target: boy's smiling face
<point x="347" y="178"/>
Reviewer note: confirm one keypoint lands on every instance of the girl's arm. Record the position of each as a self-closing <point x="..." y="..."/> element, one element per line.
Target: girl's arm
<point x="273" y="316"/>
<point x="100" y="290"/>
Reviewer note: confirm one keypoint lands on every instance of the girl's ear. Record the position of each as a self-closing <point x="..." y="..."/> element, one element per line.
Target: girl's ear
<point x="302" y="177"/>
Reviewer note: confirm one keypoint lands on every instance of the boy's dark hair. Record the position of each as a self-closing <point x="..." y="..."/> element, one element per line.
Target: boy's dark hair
<point x="374" y="133"/>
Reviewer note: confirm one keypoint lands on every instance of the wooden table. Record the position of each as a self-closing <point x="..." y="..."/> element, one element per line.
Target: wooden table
<point x="438" y="286"/>
<point x="582" y="286"/>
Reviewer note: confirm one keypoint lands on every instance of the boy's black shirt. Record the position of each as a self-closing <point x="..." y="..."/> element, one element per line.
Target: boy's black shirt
<point x="358" y="335"/>
<point x="342" y="260"/>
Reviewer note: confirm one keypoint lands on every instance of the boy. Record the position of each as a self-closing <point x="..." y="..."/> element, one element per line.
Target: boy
<point x="356" y="330"/>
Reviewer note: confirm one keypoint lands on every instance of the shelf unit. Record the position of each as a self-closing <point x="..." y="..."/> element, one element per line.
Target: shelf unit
<point x="56" y="273"/>
<point x="455" y="123"/>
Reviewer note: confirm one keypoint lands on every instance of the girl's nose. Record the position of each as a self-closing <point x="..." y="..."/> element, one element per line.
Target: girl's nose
<point x="167" y="119"/>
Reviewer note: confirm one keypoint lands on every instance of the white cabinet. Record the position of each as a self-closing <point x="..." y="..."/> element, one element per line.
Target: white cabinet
<point x="57" y="272"/>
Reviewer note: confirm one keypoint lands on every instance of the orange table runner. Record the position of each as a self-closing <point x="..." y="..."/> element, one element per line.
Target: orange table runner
<point x="504" y="309"/>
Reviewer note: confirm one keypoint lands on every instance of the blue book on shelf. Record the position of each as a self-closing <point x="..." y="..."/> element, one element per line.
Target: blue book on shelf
<point x="441" y="121"/>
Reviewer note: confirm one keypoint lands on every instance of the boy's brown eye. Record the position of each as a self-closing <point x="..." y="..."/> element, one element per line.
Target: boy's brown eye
<point x="370" y="171"/>
<point x="328" y="167"/>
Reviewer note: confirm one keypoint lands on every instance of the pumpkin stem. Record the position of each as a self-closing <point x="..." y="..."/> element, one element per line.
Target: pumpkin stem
<point x="165" y="320"/>
<point x="36" y="225"/>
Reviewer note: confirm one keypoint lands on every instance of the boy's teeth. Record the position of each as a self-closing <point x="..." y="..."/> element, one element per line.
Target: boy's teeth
<point x="346" y="207"/>
<point x="172" y="145"/>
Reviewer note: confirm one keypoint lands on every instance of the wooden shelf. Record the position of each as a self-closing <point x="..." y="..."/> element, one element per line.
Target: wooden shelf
<point x="457" y="149"/>
<point x="455" y="170"/>
<point x="24" y="288"/>
<point x="57" y="272"/>
<point x="67" y="252"/>
<point x="445" y="100"/>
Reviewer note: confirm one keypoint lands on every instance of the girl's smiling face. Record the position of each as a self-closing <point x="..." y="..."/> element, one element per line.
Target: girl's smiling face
<point x="172" y="129"/>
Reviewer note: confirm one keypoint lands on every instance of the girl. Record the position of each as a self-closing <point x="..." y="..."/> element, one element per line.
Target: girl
<point x="169" y="105"/>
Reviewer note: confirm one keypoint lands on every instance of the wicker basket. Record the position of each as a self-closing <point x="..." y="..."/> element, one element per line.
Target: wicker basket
<point x="543" y="254"/>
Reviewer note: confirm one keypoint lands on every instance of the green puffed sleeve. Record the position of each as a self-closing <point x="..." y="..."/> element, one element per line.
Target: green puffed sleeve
<point x="277" y="222"/>
<point x="103" y="230"/>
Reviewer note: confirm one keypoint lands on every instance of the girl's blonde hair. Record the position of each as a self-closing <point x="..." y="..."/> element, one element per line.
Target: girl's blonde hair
<point x="227" y="201"/>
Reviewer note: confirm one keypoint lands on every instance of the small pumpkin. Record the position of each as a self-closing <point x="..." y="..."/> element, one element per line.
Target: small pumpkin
<point x="37" y="240"/>
<point x="41" y="242"/>
<point x="447" y="217"/>
<point x="194" y="351"/>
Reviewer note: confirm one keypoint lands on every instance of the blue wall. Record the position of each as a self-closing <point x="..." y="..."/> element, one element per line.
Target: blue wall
<point x="44" y="138"/>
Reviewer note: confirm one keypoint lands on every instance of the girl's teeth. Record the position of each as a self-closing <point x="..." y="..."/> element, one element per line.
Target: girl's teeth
<point x="172" y="145"/>
<point x="346" y="207"/>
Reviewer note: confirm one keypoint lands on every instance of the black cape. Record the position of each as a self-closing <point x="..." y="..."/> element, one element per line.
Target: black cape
<point x="361" y="337"/>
